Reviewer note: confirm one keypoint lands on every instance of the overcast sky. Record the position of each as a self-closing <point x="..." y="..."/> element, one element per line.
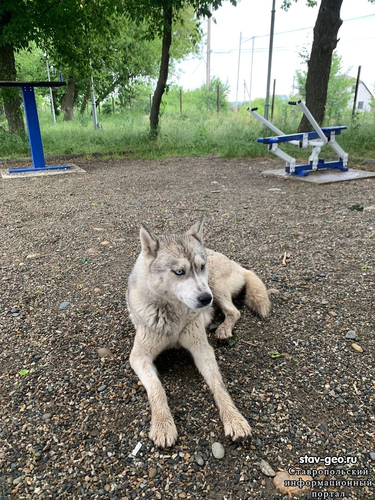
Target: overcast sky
<point x="252" y="18"/>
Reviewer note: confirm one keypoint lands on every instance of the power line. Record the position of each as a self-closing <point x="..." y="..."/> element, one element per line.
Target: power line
<point x="307" y="28"/>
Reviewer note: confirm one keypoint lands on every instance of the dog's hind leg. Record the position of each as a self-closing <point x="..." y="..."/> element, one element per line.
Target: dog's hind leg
<point x="163" y="430"/>
<point x="194" y="339"/>
<point x="223" y="300"/>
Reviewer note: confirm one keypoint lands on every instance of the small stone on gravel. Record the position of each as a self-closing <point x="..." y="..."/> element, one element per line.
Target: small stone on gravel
<point x="63" y="305"/>
<point x="218" y="450"/>
<point x="102" y="388"/>
<point x="104" y="353"/>
<point x="46" y="416"/>
<point x="199" y="459"/>
<point x="357" y="347"/>
<point x="351" y="335"/>
<point x="266" y="469"/>
<point x="152" y="472"/>
<point x="372" y="455"/>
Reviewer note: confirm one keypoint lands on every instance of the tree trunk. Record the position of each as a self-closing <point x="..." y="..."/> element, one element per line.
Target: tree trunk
<point x="11" y="96"/>
<point x="67" y="104"/>
<point x="319" y="66"/>
<point x="163" y="73"/>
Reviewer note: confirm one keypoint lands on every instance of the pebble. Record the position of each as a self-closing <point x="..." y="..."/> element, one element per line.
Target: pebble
<point x="33" y="256"/>
<point x="104" y="353"/>
<point x="152" y="472"/>
<point x="351" y="335"/>
<point x="102" y="388"/>
<point x="357" y="347"/>
<point x="46" y="416"/>
<point x="218" y="451"/>
<point x="199" y="459"/>
<point x="372" y="456"/>
<point x="266" y="469"/>
<point x="18" y="480"/>
<point x="63" y="305"/>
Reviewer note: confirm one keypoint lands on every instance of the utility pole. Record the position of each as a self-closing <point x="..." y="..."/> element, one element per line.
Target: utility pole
<point x="238" y="71"/>
<point x="208" y="59"/>
<point x="93" y="103"/>
<point x="251" y="70"/>
<point x="50" y="90"/>
<point x="356" y="91"/>
<point x="267" y="104"/>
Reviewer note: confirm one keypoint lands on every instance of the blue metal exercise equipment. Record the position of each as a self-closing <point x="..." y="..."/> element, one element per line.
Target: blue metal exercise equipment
<point x="32" y="122"/>
<point x="317" y="139"/>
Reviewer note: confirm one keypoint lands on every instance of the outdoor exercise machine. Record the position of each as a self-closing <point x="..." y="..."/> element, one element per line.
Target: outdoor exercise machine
<point x="317" y="139"/>
<point x="33" y="128"/>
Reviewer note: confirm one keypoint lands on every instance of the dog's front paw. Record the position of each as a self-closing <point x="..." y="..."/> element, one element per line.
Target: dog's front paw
<point x="236" y="426"/>
<point x="223" y="332"/>
<point x="163" y="431"/>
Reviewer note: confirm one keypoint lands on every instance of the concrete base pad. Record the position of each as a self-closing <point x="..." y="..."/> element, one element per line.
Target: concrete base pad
<point x="322" y="176"/>
<point x="74" y="169"/>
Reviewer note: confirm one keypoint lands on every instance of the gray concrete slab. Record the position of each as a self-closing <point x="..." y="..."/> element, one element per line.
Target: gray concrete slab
<point x="322" y="176"/>
<point x="74" y="169"/>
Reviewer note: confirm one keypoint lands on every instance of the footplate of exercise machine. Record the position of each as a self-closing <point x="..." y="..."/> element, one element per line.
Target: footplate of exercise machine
<point x="303" y="170"/>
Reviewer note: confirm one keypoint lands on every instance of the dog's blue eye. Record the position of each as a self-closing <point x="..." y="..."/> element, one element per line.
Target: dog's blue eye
<point x="179" y="272"/>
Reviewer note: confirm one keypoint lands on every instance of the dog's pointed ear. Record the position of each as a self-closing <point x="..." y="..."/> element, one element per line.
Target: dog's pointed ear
<point x="196" y="230"/>
<point x="149" y="242"/>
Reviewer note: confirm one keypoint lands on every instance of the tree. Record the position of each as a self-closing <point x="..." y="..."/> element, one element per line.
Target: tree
<point x="339" y="89"/>
<point x="162" y="16"/>
<point x="108" y="45"/>
<point x="62" y="25"/>
<point x="11" y="97"/>
<point x="325" y="41"/>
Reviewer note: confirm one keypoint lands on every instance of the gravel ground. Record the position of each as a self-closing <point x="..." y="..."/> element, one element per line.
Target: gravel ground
<point x="70" y="419"/>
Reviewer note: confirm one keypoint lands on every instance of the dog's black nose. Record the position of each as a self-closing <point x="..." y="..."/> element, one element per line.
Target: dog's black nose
<point x="204" y="299"/>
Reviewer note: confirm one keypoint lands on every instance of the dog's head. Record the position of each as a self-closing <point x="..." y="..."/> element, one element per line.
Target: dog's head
<point x="177" y="265"/>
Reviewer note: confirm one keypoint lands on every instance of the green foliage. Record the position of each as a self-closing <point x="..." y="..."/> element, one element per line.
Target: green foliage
<point x="195" y="132"/>
<point x="339" y="89"/>
<point x="197" y="98"/>
<point x="31" y="64"/>
<point x="118" y="63"/>
<point x="151" y="11"/>
<point x="288" y="3"/>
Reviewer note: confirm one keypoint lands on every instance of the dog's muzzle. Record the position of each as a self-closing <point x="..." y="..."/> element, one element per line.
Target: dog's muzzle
<point x="204" y="300"/>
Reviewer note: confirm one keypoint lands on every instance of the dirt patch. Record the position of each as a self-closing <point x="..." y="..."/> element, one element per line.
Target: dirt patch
<point x="70" y="423"/>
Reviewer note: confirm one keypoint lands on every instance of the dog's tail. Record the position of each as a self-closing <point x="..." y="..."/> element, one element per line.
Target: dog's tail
<point x="256" y="294"/>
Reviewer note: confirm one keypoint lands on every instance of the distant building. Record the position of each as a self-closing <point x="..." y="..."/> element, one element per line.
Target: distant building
<point x="364" y="98"/>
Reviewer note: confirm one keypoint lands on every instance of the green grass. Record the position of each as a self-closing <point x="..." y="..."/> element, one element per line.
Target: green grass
<point x="193" y="134"/>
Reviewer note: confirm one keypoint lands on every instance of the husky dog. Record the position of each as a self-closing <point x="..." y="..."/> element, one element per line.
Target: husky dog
<point x="171" y="290"/>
